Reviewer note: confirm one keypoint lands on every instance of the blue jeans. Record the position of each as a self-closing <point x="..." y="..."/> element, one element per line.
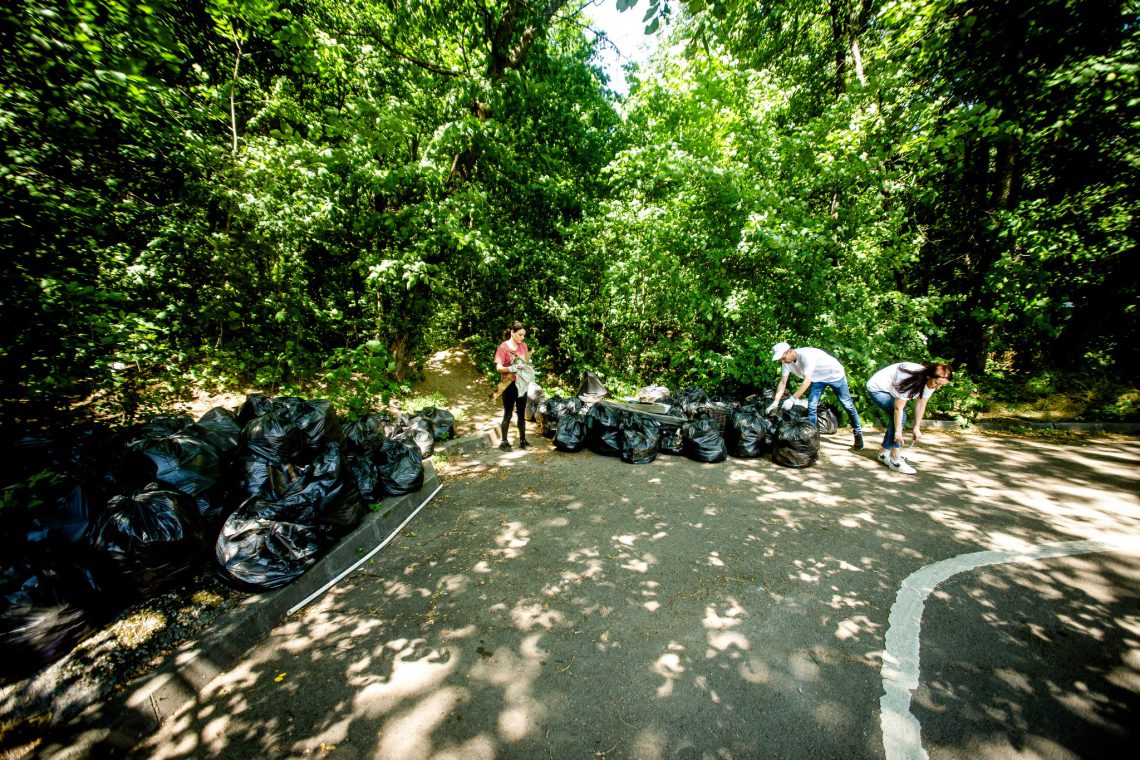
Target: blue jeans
<point x="815" y="390"/>
<point x="886" y="402"/>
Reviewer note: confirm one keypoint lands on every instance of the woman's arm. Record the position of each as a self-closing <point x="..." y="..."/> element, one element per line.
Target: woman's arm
<point x="499" y="356"/>
<point x="900" y="406"/>
<point x="919" y="411"/>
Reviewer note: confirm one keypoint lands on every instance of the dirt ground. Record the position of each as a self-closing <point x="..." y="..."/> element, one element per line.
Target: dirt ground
<point x="451" y="373"/>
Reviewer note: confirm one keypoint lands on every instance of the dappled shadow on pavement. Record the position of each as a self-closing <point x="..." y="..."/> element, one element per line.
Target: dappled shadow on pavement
<point x="551" y="605"/>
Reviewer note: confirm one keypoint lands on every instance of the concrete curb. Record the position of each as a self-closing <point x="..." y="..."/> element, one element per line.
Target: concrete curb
<point x="113" y="727"/>
<point x="487" y="439"/>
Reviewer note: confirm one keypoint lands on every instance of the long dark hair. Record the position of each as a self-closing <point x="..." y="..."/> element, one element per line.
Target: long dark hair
<point x="513" y="327"/>
<point x="911" y="386"/>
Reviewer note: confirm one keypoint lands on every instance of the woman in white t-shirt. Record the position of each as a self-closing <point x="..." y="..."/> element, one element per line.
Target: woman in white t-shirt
<point x="891" y="388"/>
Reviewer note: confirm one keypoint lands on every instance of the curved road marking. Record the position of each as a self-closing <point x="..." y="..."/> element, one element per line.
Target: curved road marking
<point x="902" y="734"/>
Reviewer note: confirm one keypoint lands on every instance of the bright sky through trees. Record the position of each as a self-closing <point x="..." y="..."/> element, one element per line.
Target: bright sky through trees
<point x="627" y="33"/>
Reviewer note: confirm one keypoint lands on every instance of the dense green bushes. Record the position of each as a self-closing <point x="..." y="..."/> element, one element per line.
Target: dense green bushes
<point x="307" y="195"/>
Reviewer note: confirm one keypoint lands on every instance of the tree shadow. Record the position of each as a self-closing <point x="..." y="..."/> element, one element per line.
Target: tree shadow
<point x="550" y="605"/>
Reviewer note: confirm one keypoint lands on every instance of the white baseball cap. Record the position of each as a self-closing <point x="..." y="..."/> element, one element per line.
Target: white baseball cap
<point x="779" y="350"/>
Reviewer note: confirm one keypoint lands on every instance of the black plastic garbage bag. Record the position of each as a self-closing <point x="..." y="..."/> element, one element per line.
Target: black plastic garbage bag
<point x="266" y="479"/>
<point x="570" y="436"/>
<point x="190" y="464"/>
<point x="603" y="430"/>
<point x="418" y="433"/>
<point x="442" y="422"/>
<point x="261" y="554"/>
<point x="275" y="436"/>
<point x="153" y="537"/>
<point x="366" y="435"/>
<point x="254" y="406"/>
<point x="401" y="468"/>
<point x="219" y="427"/>
<point x="554" y="409"/>
<point x="752" y="433"/>
<point x="46" y="608"/>
<point x="672" y="439"/>
<point x="186" y="462"/>
<point x="319" y="424"/>
<point x="640" y="438"/>
<point x="322" y="493"/>
<point x="797" y="441"/>
<point x="366" y="473"/>
<point x="827" y="419"/>
<point x="703" y="441"/>
<point x="691" y="400"/>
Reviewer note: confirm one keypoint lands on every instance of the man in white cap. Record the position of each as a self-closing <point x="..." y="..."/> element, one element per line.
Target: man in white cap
<point x="818" y="370"/>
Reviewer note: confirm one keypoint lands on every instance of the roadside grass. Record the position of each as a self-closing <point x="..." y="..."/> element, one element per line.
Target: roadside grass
<point x="1056" y="398"/>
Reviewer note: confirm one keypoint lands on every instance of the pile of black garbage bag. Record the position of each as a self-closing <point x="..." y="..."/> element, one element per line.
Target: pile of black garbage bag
<point x="692" y="423"/>
<point x="96" y="519"/>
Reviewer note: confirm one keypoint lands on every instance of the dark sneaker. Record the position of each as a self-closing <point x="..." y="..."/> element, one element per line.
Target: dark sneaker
<point x="523" y="444"/>
<point x="858" y="441"/>
<point x="504" y="446"/>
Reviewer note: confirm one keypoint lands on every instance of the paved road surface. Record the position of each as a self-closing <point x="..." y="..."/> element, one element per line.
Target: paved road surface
<point x="572" y="606"/>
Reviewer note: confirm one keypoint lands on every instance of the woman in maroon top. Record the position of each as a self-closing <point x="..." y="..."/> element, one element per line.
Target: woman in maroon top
<point x="509" y="350"/>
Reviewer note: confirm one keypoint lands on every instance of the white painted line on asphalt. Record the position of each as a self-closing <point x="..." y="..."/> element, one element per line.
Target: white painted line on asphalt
<point x="902" y="733"/>
<point x="365" y="558"/>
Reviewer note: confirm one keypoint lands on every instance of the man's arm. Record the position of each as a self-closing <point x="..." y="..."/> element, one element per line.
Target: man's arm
<point x="780" y="389"/>
<point x="803" y="386"/>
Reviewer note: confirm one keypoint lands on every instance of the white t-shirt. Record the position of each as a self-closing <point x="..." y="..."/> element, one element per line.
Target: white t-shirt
<point x="885" y="380"/>
<point x="822" y="366"/>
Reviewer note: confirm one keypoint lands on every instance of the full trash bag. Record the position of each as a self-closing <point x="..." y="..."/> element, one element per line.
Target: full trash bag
<point x="264" y="478"/>
<point x="603" y="430"/>
<point x="153" y="537"/>
<point x="570" y="436"/>
<point x="703" y="441"/>
<point x="751" y="434"/>
<point x="554" y="409"/>
<point x="219" y="427"/>
<point x="442" y="422"/>
<point x="275" y="436"/>
<point x="254" y="406"/>
<point x="640" y="438"/>
<point x="366" y="473"/>
<point x="323" y="494"/>
<point x="797" y="440"/>
<point x="262" y="554"/>
<point x="366" y="435"/>
<point x="190" y="464"/>
<point x="691" y="400"/>
<point x="418" y="433"/>
<point x="318" y="422"/>
<point x="827" y="419"/>
<point x="401" y="468"/>
<point x="672" y="440"/>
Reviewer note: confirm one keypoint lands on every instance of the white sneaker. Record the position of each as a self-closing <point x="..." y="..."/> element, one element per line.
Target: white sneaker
<point x="900" y="465"/>
<point x="883" y="456"/>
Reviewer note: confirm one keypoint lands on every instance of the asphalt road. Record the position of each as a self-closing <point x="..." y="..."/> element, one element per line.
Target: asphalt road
<point x="546" y="605"/>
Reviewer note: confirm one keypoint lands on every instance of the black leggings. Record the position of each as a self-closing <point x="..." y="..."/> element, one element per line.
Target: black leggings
<point x="511" y="398"/>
